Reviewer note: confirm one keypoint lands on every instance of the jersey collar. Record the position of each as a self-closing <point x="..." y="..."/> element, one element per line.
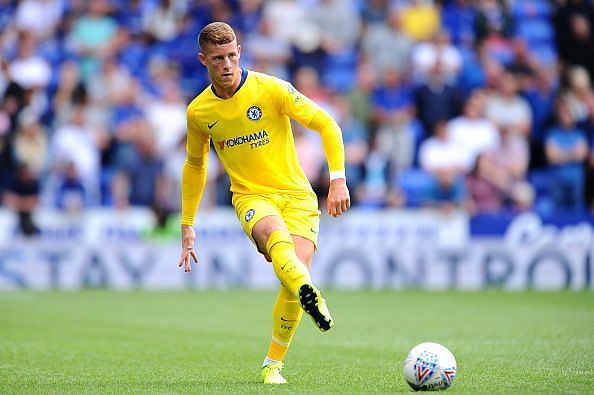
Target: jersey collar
<point x="244" y="74"/>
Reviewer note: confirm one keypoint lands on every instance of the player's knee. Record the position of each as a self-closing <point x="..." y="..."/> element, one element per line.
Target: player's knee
<point x="278" y="236"/>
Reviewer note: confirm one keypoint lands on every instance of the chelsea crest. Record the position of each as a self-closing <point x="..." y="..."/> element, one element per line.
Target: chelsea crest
<point x="254" y="113"/>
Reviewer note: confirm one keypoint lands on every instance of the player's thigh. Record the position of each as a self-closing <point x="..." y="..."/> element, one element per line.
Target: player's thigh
<point x="262" y="230"/>
<point x="302" y="218"/>
<point x="251" y="210"/>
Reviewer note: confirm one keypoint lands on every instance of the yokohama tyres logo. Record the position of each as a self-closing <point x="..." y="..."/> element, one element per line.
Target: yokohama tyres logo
<point x="255" y="139"/>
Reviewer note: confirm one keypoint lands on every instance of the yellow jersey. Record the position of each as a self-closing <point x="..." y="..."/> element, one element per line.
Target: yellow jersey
<point x="251" y="132"/>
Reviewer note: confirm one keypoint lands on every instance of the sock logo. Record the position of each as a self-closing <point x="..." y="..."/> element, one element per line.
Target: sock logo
<point x="283" y="319"/>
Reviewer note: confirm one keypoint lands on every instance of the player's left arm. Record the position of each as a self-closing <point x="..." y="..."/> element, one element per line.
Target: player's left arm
<point x="338" y="194"/>
<point x="302" y="109"/>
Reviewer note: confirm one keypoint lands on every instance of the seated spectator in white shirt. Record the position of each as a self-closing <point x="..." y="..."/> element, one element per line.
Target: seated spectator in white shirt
<point x="473" y="132"/>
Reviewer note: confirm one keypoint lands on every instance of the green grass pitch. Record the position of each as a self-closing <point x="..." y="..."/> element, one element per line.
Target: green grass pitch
<point x="214" y="342"/>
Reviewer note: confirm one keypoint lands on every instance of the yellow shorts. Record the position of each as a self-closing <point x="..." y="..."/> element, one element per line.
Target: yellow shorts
<point x="299" y="211"/>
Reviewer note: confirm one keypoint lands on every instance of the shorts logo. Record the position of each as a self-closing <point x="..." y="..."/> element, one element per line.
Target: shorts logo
<point x="290" y="89"/>
<point x="249" y="215"/>
<point x="254" y="113"/>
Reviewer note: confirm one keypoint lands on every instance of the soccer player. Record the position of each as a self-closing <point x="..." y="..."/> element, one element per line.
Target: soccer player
<point x="246" y="114"/>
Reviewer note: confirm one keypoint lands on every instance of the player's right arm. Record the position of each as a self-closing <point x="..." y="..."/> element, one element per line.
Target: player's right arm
<point x="193" y="181"/>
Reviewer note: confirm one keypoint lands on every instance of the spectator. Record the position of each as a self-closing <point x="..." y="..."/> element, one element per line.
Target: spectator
<point x="566" y="149"/>
<point x="268" y="53"/>
<point x="375" y="189"/>
<point x="167" y="117"/>
<point x="40" y="17"/>
<point x="471" y="131"/>
<point x="494" y="27"/>
<point x="339" y="25"/>
<point x="439" y="49"/>
<point x="394" y="111"/>
<point x="591" y="177"/>
<point x="249" y="16"/>
<point x="93" y="37"/>
<point x="540" y="95"/>
<point x="574" y="34"/>
<point x="71" y="91"/>
<point x="458" y="18"/>
<point x="30" y="144"/>
<point x="374" y="12"/>
<point x="507" y="109"/>
<point x="385" y="46"/>
<point x="486" y="187"/>
<point x="163" y="22"/>
<point x="360" y="95"/>
<point x="420" y="19"/>
<point x="523" y="65"/>
<point x="446" y="193"/>
<point x="577" y="92"/>
<point x="71" y="194"/>
<point x="76" y="144"/>
<point x="493" y="21"/>
<point x="288" y="20"/>
<point x="142" y="173"/>
<point x="445" y="162"/>
<point x="588" y="127"/>
<point x="436" y="99"/>
<point x="510" y="161"/>
<point x="22" y="196"/>
<point x="441" y="157"/>
<point x="28" y="70"/>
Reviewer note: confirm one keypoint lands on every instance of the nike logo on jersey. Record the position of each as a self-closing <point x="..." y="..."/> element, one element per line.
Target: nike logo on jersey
<point x="211" y="125"/>
<point x="283" y="319"/>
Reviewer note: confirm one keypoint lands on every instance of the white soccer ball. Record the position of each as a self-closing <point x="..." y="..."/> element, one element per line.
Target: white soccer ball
<point x="430" y="367"/>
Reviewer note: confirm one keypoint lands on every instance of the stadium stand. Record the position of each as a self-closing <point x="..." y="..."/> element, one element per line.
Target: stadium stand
<point x="94" y="95"/>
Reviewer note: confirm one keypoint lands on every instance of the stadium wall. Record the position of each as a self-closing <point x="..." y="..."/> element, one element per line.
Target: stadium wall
<point x="377" y="250"/>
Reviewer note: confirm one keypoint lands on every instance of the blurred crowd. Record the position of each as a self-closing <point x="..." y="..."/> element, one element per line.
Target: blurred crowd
<point x="482" y="105"/>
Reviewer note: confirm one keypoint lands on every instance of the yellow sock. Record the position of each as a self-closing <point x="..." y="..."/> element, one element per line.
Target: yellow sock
<point x="285" y="318"/>
<point x="289" y="269"/>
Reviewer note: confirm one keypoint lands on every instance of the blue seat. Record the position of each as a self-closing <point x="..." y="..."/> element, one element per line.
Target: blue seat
<point x="541" y="181"/>
<point x="414" y="183"/>
<point x="531" y="9"/>
<point x="535" y="31"/>
<point x="544" y="53"/>
<point x="340" y="70"/>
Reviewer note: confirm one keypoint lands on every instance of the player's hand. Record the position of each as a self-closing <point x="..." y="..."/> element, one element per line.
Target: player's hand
<point x="339" y="199"/>
<point x="188" y="238"/>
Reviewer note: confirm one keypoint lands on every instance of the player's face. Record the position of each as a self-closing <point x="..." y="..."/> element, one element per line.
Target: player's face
<point x="222" y="63"/>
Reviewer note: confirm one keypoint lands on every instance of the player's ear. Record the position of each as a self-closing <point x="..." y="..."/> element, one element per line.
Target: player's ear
<point x="202" y="58"/>
<point x="238" y="51"/>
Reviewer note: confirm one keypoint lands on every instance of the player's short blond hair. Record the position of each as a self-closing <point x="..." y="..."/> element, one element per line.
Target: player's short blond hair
<point x="216" y="33"/>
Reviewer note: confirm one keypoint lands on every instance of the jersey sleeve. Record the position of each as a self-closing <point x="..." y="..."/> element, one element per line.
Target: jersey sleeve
<point x="288" y="101"/>
<point x="193" y="178"/>
<point x="198" y="143"/>
<point x="304" y="110"/>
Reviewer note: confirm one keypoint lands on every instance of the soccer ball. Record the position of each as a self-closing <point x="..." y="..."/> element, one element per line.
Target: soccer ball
<point x="430" y="367"/>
